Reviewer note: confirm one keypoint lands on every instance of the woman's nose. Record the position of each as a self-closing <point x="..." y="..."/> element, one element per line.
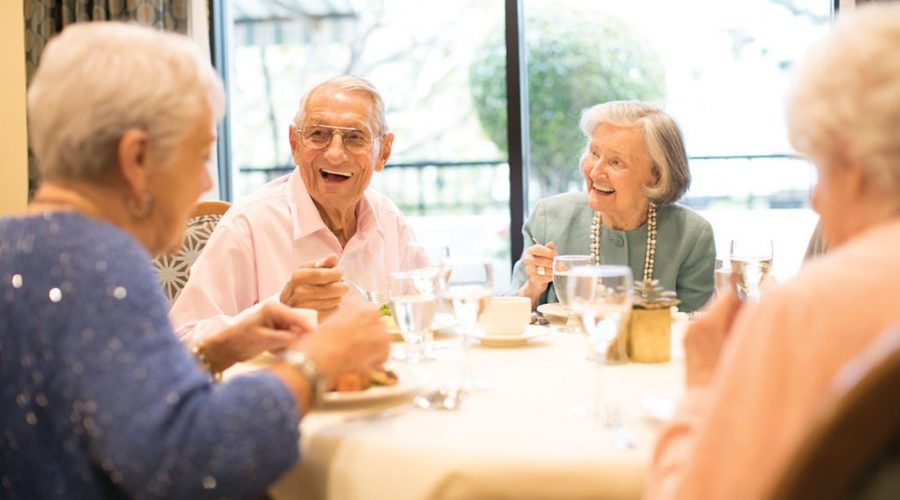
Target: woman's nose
<point x="596" y="169"/>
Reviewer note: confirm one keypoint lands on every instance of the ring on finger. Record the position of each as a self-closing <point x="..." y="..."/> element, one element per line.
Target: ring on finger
<point x="541" y="271"/>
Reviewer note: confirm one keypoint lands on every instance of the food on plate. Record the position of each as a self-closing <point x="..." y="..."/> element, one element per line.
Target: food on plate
<point x="385" y="312"/>
<point x="383" y="377"/>
<point x="353" y="382"/>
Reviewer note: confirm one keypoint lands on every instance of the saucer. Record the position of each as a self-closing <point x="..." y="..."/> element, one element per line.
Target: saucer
<point x="532" y="332"/>
<point x="554" y="310"/>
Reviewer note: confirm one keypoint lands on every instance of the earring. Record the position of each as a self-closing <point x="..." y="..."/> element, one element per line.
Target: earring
<point x="140" y="207"/>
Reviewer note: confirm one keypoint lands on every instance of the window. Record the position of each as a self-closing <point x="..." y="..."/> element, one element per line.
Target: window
<point x="444" y="173"/>
<point x="441" y="67"/>
<point x="721" y="69"/>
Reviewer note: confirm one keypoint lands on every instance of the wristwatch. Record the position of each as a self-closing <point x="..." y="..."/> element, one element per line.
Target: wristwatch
<point x="307" y="367"/>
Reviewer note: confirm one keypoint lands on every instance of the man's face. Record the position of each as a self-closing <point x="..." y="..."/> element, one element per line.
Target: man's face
<point x="337" y="175"/>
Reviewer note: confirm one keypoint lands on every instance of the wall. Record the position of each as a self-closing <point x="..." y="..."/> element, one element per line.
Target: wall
<point x="13" y="138"/>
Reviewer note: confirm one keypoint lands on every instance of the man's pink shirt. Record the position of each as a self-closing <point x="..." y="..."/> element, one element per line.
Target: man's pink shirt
<point x="266" y="237"/>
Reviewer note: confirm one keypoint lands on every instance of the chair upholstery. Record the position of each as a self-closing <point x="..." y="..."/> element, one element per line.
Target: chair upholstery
<point x="173" y="270"/>
<point x="853" y="450"/>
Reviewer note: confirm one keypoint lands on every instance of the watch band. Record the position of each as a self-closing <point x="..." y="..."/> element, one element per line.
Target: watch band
<point x="310" y="371"/>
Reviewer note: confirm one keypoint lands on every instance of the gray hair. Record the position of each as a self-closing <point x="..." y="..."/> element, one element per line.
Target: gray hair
<point x="662" y="137"/>
<point x="98" y="80"/>
<point x="348" y="83"/>
<point x="845" y="103"/>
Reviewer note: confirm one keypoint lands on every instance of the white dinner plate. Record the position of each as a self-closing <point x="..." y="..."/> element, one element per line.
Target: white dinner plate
<point x="531" y="333"/>
<point x="441" y="326"/>
<point x="553" y="310"/>
<point x="409" y="381"/>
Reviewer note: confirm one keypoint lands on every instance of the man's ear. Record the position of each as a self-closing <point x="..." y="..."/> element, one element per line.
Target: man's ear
<point x="384" y="152"/>
<point x="294" y="141"/>
<point x="133" y="156"/>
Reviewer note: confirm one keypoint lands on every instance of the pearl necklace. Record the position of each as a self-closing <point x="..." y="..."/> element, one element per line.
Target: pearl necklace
<point x="651" y="241"/>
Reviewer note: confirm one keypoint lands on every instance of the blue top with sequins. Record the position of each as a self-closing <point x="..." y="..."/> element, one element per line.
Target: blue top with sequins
<point x="98" y="399"/>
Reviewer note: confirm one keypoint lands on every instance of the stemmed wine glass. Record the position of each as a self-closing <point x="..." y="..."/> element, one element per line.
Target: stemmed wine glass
<point x="563" y="265"/>
<point x="414" y="297"/>
<point x="751" y="261"/>
<point x="469" y="287"/>
<point x="601" y="296"/>
<point x="424" y="256"/>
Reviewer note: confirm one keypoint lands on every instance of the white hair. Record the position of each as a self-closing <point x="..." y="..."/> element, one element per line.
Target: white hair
<point x="662" y="137"/>
<point x="845" y="102"/>
<point x="98" y="80"/>
<point x="348" y="83"/>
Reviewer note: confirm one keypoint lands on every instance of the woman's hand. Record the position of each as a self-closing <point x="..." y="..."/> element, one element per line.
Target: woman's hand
<point x="706" y="336"/>
<point x="275" y="326"/>
<point x="353" y="341"/>
<point x="538" y="262"/>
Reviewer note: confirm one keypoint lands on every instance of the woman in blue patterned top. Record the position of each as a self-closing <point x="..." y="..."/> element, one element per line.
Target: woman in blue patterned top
<point x="99" y="399"/>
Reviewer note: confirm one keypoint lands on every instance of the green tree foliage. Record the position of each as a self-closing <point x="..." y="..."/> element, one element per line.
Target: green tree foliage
<point x="574" y="61"/>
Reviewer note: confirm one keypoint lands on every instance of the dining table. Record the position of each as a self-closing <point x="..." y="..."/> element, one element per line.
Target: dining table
<point x="541" y="421"/>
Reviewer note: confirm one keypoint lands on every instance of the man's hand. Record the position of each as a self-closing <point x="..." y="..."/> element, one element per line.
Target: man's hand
<point x="316" y="285"/>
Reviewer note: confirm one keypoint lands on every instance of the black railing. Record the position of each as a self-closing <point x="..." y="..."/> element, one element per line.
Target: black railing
<point x="433" y="187"/>
<point x="474" y="187"/>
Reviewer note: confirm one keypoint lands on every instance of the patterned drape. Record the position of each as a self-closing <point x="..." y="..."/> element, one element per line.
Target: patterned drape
<point x="45" y="18"/>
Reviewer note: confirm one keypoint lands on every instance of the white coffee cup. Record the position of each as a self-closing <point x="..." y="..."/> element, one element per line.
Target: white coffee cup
<point x="506" y="316"/>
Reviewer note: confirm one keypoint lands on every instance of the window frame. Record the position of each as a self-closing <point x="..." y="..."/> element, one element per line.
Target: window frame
<point x="517" y="111"/>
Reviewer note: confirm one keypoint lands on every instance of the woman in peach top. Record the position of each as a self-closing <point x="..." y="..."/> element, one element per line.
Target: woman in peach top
<point x="757" y="372"/>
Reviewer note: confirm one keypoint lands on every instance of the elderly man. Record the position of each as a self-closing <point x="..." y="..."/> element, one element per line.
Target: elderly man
<point x="296" y="238"/>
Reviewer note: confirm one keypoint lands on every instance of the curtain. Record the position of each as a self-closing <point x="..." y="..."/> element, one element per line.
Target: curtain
<point x="45" y="18"/>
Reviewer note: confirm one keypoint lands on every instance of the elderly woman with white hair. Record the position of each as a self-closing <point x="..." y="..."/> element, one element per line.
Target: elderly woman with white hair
<point x="635" y="168"/>
<point x="99" y="398"/>
<point x="758" y="373"/>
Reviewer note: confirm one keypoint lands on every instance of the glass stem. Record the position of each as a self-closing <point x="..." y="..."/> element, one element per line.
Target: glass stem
<point x="467" y="363"/>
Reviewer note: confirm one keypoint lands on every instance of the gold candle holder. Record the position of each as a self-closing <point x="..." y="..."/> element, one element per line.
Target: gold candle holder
<point x="649" y="335"/>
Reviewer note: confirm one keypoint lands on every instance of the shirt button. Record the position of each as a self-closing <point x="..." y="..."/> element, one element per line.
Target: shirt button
<point x="616" y="240"/>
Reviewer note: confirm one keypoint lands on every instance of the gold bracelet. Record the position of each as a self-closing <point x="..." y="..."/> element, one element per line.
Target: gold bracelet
<point x="203" y="361"/>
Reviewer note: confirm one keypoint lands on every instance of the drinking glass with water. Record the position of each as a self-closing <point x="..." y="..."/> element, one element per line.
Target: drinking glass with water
<point x="751" y="261"/>
<point x="563" y="265"/>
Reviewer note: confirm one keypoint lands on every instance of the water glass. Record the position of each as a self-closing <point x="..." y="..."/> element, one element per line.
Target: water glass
<point x="469" y="287"/>
<point x="751" y="261"/>
<point x="602" y="297"/>
<point x="423" y="256"/>
<point x="413" y="297"/>
<point x="563" y="265"/>
<point x="722" y="276"/>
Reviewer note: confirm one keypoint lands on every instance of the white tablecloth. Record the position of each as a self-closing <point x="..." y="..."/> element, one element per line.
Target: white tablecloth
<point x="518" y="439"/>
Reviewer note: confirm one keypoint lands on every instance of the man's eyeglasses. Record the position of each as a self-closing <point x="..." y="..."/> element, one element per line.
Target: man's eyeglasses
<point x="353" y="139"/>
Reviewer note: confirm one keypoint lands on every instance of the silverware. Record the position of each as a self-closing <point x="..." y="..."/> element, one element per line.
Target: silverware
<point x="612" y="418"/>
<point x="538" y="319"/>
<point x="373" y="297"/>
<point x="439" y="399"/>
